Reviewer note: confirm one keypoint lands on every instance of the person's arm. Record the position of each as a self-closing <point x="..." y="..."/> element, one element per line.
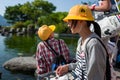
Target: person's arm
<point x="41" y="67"/>
<point x="103" y="6"/>
<point x="72" y="66"/>
<point x="61" y="70"/>
<point x="97" y="61"/>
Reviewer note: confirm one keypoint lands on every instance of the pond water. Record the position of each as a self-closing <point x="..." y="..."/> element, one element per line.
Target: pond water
<point x="12" y="46"/>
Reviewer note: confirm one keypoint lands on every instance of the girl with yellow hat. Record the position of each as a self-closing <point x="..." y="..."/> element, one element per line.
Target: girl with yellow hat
<point x="90" y="52"/>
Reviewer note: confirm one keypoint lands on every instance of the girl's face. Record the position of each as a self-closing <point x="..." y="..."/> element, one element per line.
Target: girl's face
<point x="75" y="26"/>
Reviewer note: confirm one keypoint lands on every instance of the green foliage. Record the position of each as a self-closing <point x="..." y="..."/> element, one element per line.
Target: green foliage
<point x="119" y="6"/>
<point x="31" y="26"/>
<point x="18" y="25"/>
<point x="55" y="19"/>
<point x="44" y="6"/>
<point x="38" y="12"/>
<point x="26" y="23"/>
<point x="60" y="28"/>
<point x="14" y="14"/>
<point x="28" y="11"/>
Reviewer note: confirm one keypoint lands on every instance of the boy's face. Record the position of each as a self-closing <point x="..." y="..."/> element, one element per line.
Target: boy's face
<point x="51" y="35"/>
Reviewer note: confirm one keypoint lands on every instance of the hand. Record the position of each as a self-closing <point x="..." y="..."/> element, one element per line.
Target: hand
<point x="92" y="7"/>
<point x="62" y="70"/>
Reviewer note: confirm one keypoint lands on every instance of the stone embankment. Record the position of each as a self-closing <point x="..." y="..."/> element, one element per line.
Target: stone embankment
<point x="19" y="31"/>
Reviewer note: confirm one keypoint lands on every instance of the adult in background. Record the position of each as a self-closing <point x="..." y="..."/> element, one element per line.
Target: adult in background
<point x="101" y="5"/>
<point x="104" y="8"/>
<point x="105" y="14"/>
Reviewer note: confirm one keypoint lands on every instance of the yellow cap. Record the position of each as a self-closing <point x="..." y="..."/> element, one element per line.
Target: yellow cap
<point x="79" y="12"/>
<point x="44" y="31"/>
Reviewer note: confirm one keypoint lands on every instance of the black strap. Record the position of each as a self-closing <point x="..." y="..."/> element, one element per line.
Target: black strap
<point x="108" y="70"/>
<point x="60" y="46"/>
<point x="100" y="42"/>
<point x="50" y="48"/>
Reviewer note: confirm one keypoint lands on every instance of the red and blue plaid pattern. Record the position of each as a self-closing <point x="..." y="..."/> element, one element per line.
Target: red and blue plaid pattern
<point x="45" y="57"/>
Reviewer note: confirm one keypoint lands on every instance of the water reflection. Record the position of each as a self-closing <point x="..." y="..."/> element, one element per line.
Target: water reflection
<point x="27" y="44"/>
<point x="24" y="44"/>
<point x="72" y="44"/>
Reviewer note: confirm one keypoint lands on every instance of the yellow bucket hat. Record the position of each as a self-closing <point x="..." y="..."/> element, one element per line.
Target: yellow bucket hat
<point x="79" y="12"/>
<point x="44" y="31"/>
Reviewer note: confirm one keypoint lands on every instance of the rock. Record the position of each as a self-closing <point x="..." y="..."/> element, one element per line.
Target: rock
<point x="21" y="64"/>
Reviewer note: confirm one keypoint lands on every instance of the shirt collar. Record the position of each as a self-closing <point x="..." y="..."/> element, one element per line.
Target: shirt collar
<point x="51" y="39"/>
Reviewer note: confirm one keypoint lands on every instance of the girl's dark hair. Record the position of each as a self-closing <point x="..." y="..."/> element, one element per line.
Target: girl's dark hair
<point x="74" y="23"/>
<point x="97" y="28"/>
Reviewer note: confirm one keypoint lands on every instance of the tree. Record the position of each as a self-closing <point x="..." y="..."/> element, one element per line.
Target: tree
<point x="43" y="7"/>
<point x="13" y="14"/>
<point x="55" y="19"/>
<point x="29" y="11"/>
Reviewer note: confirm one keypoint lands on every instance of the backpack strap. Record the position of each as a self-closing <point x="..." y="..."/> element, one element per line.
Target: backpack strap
<point x="108" y="70"/>
<point x="60" y="46"/>
<point x="100" y="42"/>
<point x="50" y="48"/>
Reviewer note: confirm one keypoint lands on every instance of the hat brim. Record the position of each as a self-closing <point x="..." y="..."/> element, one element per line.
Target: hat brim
<point x="77" y="18"/>
<point x="52" y="27"/>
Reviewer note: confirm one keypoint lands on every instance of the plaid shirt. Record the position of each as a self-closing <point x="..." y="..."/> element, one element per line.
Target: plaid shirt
<point x="44" y="56"/>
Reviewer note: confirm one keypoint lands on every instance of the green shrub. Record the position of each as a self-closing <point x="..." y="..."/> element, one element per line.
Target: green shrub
<point x="18" y="25"/>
